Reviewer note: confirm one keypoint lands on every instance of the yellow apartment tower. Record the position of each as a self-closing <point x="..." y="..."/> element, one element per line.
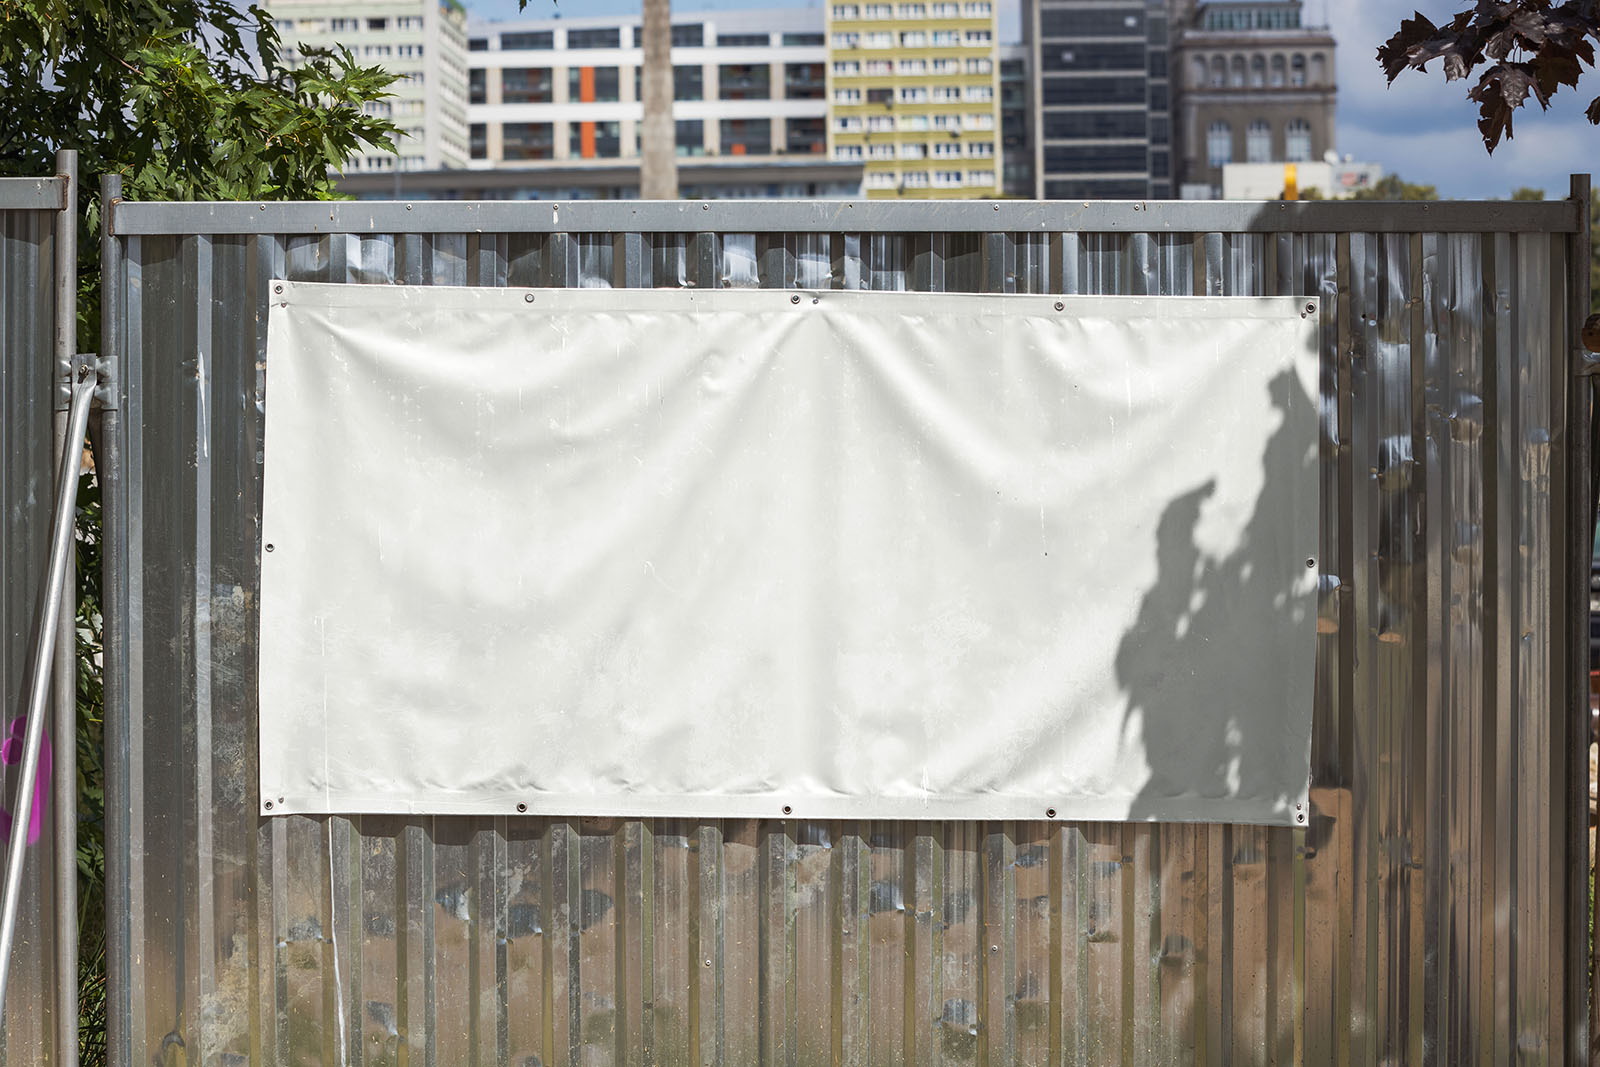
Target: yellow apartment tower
<point x="913" y="95"/>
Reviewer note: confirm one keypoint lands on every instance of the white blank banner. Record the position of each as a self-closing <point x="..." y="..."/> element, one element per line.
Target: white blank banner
<point x="754" y="553"/>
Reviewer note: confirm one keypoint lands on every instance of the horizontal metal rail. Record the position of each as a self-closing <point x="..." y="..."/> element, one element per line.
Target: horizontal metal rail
<point x="33" y="194"/>
<point x="845" y="216"/>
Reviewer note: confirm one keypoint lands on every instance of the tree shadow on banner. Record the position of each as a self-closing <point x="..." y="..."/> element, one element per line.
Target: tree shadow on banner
<point x="1211" y="718"/>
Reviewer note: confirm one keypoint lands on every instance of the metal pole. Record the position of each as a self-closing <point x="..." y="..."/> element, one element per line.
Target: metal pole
<point x="39" y="687"/>
<point x="65" y="764"/>
<point x="113" y="610"/>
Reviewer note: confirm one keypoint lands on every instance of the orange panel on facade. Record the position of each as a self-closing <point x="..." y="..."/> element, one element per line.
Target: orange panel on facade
<point x="586" y="95"/>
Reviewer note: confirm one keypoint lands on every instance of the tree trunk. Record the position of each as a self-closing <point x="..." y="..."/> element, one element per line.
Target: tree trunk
<point x="658" y="151"/>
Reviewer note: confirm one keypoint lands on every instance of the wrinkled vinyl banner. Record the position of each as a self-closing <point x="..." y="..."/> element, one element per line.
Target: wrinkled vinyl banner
<point x="748" y="553"/>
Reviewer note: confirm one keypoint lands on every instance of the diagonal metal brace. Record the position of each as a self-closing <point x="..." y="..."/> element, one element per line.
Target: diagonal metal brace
<point x="84" y="383"/>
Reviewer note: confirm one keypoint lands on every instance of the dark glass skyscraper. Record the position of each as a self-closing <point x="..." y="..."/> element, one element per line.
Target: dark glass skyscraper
<point x="1102" y="116"/>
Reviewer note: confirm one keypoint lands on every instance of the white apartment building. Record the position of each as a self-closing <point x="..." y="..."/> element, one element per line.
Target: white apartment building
<point x="750" y="85"/>
<point x="423" y="42"/>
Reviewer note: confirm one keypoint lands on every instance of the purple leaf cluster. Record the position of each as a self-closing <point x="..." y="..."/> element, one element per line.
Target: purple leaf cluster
<point x="1524" y="47"/>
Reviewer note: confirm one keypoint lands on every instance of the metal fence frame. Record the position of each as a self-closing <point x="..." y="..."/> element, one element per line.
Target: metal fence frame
<point x="38" y="342"/>
<point x="1395" y="929"/>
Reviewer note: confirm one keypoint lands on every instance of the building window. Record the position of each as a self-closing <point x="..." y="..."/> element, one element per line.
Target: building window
<point x="846" y="40"/>
<point x="409" y="51"/>
<point x="979" y="121"/>
<point x="478" y="44"/>
<point x="846" y="11"/>
<point x="688" y="83"/>
<point x="847" y="96"/>
<point x="913" y="66"/>
<point x="911" y="39"/>
<point x="946" y="178"/>
<point x="947" y="66"/>
<point x="1297" y="71"/>
<point x="344" y="25"/>
<point x="881" y="179"/>
<point x="915" y="179"/>
<point x="847" y="152"/>
<point x="746" y="137"/>
<point x="744" y="81"/>
<point x="846" y="68"/>
<point x="980" y="66"/>
<point x="978" y="9"/>
<point x="743" y="40"/>
<point x="1219" y="144"/>
<point x="803" y="40"/>
<point x="980" y="92"/>
<point x="592" y="85"/>
<point x="947" y="150"/>
<point x="477" y="86"/>
<point x="879" y="40"/>
<point x="880" y="123"/>
<point x="478" y="141"/>
<point x="594" y="140"/>
<point x="946" y="11"/>
<point x="1278" y="69"/>
<point x="1258" y="142"/>
<point x="377" y="24"/>
<point x="913" y="11"/>
<point x="979" y="38"/>
<point x="878" y="11"/>
<point x="690" y="137"/>
<point x="804" y="136"/>
<point x="847" y="124"/>
<point x="980" y="148"/>
<point x="684" y="35"/>
<point x="880" y="96"/>
<point x="944" y="93"/>
<point x="604" y="37"/>
<point x="408" y="22"/>
<point x="1258" y="72"/>
<point x="1319" y="69"/>
<point x="527" y="140"/>
<point x="1237" y="79"/>
<point x="913" y="151"/>
<point x="946" y="122"/>
<point x="523" y="85"/>
<point x="913" y="94"/>
<point x="913" y="122"/>
<point x="1297" y="141"/>
<point x="1219" y="72"/>
<point x="943" y="38"/>
<point x="880" y="67"/>
<point x="537" y="41"/>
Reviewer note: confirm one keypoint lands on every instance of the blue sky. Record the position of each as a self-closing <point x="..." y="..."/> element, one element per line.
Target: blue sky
<point x="1420" y="128"/>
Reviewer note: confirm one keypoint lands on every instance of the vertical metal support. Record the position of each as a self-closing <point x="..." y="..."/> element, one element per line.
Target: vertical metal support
<point x="114" y="608"/>
<point x="61" y="534"/>
<point x="65" y="685"/>
<point x="1584" y="481"/>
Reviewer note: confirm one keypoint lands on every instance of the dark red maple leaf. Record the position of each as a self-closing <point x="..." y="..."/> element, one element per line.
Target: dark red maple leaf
<point x="1531" y="46"/>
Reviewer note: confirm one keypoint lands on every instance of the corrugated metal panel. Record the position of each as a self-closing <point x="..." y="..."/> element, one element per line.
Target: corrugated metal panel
<point x="27" y="491"/>
<point x="1418" y="917"/>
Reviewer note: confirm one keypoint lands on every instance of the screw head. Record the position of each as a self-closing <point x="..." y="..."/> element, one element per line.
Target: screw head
<point x="268" y="805"/>
<point x="1060" y="306"/>
<point x="522" y="808"/>
<point x="1049" y="813"/>
<point x="269" y="548"/>
<point x="795" y="299"/>
<point x="1311" y="563"/>
<point x="1310" y="308"/>
<point x="787" y="810"/>
<point x="527" y="298"/>
<point x="277" y="288"/>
